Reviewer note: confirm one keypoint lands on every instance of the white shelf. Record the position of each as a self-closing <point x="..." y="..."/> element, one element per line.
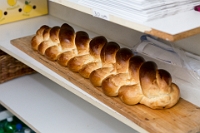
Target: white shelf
<point x="39" y="100"/>
<point x="48" y="108"/>
<point x="170" y="28"/>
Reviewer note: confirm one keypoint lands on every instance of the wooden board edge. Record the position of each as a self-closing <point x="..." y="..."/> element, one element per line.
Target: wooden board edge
<point x="173" y="38"/>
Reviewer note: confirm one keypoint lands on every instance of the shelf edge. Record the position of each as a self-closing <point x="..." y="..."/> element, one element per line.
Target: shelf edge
<point x="173" y="38"/>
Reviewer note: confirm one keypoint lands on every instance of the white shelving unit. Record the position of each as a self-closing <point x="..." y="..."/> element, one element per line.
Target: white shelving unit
<point x="46" y="106"/>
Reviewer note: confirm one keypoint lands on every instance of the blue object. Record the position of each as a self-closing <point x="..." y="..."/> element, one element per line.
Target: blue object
<point x="19" y="126"/>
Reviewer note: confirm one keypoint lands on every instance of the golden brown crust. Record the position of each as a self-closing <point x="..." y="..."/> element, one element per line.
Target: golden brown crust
<point x="88" y="68"/>
<point x="41" y="29"/>
<point x="66" y="36"/>
<point x="134" y="67"/>
<point x="44" y="45"/>
<point x="121" y="66"/>
<point x="147" y="77"/>
<point x="54" y="34"/>
<point x="97" y="76"/>
<point x="117" y="70"/>
<point x="158" y="102"/>
<point x="164" y="81"/>
<point x="38" y="38"/>
<point x="53" y="39"/>
<point x="108" y="53"/>
<point x="75" y="64"/>
<point x="174" y="94"/>
<point x="81" y="47"/>
<point x="112" y="84"/>
<point x="35" y="41"/>
<point x="82" y="42"/>
<point x="46" y="33"/>
<point x="64" y="58"/>
<point x="53" y="52"/>
<point x="130" y="94"/>
<point x="107" y="59"/>
<point x="122" y="60"/>
<point x="157" y="87"/>
<point x="96" y="45"/>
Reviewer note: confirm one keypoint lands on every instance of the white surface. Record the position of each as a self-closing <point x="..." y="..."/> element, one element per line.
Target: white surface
<point x="49" y="108"/>
<point x="176" y="24"/>
<point x="25" y="28"/>
<point x="171" y="24"/>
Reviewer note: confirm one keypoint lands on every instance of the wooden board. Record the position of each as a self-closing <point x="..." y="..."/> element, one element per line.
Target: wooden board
<point x="184" y="117"/>
<point x="173" y="38"/>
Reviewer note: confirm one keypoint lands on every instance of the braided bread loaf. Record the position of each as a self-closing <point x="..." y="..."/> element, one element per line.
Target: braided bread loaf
<point x="117" y="70"/>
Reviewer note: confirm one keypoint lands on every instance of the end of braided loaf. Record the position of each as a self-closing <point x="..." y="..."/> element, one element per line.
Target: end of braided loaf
<point x="117" y="70"/>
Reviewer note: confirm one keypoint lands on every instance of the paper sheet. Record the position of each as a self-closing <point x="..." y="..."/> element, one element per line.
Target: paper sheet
<point x="141" y="10"/>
